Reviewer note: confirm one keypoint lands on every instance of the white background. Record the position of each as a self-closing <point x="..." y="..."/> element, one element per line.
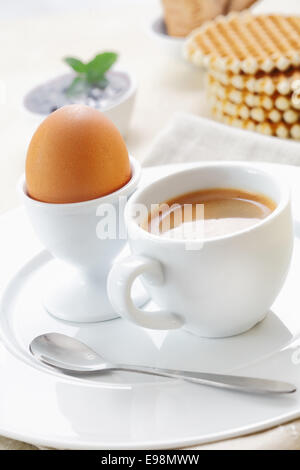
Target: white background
<point x="12" y="9"/>
<point x="36" y="34"/>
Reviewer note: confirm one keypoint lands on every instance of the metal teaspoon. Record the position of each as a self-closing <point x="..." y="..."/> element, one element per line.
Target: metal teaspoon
<point x="71" y="355"/>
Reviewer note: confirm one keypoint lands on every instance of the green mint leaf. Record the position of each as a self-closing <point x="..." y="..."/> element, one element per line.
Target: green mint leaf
<point x="76" y="64"/>
<point x="79" y="85"/>
<point x="98" y="66"/>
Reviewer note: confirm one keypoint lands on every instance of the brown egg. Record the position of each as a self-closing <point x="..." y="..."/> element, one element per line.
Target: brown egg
<point x="76" y="155"/>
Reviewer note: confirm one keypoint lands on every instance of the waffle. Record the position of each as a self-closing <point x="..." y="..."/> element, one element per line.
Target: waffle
<point x="239" y="5"/>
<point x="242" y="42"/>
<point x="282" y="130"/>
<point x="256" y="114"/>
<point x="183" y="16"/>
<point x="253" y="100"/>
<point x="268" y="84"/>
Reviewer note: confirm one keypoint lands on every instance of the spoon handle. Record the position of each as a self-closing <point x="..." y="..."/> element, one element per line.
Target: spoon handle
<point x="242" y="384"/>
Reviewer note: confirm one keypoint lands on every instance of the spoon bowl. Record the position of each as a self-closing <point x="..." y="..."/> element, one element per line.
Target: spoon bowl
<point x="67" y="353"/>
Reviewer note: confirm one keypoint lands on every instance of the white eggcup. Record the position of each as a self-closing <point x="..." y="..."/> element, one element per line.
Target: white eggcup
<point x="222" y="288"/>
<point x="71" y="233"/>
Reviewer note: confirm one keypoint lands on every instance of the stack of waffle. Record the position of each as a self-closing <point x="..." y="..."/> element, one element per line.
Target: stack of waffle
<point x="183" y="16"/>
<point x="253" y="65"/>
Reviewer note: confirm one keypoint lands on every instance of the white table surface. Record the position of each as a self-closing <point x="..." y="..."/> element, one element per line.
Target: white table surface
<point x="34" y="38"/>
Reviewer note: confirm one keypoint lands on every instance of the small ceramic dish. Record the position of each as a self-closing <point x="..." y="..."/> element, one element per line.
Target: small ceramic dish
<point x="171" y="45"/>
<point x="116" y="102"/>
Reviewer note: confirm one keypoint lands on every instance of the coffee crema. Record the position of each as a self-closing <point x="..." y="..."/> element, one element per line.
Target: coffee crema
<point x="208" y="213"/>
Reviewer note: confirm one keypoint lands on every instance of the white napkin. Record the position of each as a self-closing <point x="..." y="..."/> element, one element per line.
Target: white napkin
<point x="189" y="138"/>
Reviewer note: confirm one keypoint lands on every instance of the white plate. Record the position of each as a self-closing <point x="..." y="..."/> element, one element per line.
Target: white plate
<point x="122" y="410"/>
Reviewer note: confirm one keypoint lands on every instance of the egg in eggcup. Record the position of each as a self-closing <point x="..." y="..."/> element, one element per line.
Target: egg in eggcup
<point x="77" y="181"/>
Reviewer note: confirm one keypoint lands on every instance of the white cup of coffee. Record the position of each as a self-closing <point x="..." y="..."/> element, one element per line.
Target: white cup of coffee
<point x="215" y="287"/>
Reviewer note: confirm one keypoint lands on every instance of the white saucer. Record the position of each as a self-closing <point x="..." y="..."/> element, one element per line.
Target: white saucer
<point x="122" y="410"/>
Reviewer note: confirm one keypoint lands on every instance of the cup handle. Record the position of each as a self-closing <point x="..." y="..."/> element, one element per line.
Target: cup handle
<point x="119" y="284"/>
